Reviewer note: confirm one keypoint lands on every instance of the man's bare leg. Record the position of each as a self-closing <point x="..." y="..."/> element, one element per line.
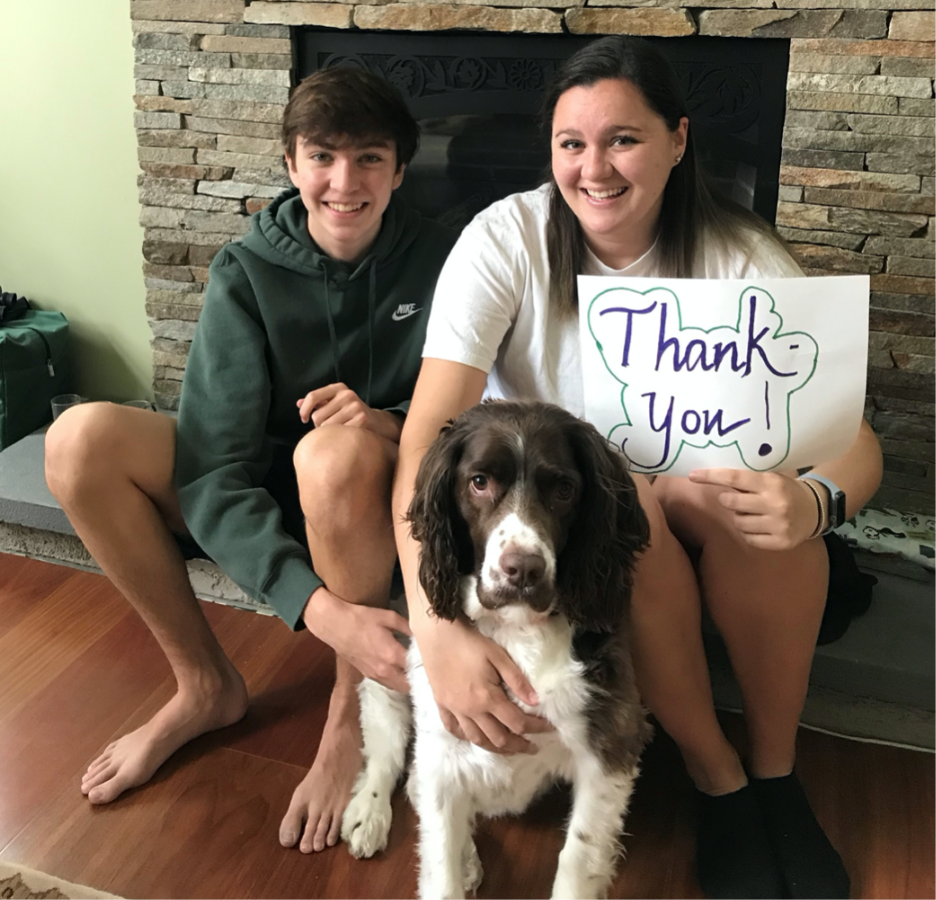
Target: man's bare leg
<point x="318" y="802"/>
<point x="344" y="476"/>
<point x="111" y="469"/>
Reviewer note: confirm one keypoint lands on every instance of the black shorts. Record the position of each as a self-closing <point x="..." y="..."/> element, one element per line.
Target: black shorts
<point x="849" y="592"/>
<point x="282" y="486"/>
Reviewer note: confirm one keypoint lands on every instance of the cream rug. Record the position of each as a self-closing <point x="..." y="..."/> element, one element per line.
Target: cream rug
<point x="22" y="883"/>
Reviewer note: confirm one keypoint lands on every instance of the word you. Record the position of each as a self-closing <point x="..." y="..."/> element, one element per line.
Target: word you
<point x="730" y="384"/>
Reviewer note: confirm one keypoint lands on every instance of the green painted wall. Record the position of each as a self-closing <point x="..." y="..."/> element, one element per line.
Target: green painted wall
<point x="69" y="235"/>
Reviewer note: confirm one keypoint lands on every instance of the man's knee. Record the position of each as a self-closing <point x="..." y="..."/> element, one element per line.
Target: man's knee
<point x="342" y="464"/>
<point x="103" y="447"/>
<point x="78" y="449"/>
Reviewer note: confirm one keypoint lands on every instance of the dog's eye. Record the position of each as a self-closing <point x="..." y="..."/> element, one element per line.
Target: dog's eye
<point x="479" y="482"/>
<point x="565" y="490"/>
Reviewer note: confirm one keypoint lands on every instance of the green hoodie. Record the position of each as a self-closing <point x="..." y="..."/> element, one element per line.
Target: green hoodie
<point x="281" y="319"/>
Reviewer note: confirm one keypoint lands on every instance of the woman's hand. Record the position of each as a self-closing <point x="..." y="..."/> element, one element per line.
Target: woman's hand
<point x="467" y="673"/>
<point x="337" y="404"/>
<point x="771" y="511"/>
<point x="362" y="635"/>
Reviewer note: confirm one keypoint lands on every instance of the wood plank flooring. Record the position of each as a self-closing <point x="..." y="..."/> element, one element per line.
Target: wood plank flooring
<point x="77" y="669"/>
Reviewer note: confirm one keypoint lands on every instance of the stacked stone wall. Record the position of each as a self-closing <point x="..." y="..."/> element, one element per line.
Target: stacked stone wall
<point x="857" y="174"/>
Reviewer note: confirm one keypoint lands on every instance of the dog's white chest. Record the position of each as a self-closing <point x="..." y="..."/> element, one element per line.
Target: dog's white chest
<point x="507" y="784"/>
<point x="544" y="654"/>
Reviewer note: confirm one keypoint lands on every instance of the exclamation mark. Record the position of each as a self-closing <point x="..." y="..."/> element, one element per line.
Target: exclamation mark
<point x="764" y="449"/>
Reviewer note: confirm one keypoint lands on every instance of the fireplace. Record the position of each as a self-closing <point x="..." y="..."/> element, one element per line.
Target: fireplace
<point x="854" y="192"/>
<point x="477" y="99"/>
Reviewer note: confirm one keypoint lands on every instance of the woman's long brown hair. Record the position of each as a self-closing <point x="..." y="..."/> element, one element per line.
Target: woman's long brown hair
<point x="691" y="207"/>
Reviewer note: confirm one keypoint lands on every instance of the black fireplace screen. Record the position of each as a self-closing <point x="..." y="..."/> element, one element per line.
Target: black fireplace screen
<point x="477" y="99"/>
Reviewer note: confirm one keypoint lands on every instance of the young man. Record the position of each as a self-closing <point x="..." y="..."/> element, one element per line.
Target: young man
<point x="280" y="466"/>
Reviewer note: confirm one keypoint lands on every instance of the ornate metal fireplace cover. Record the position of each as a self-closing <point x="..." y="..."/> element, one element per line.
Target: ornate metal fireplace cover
<point x="477" y="97"/>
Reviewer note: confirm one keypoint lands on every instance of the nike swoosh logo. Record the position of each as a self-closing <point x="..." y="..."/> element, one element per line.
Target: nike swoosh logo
<point x="399" y="317"/>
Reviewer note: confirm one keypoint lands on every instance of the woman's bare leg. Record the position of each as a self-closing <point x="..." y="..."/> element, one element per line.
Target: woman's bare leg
<point x="111" y="469"/>
<point x="669" y="658"/>
<point x="733" y="854"/>
<point x="768" y="607"/>
<point x="344" y="475"/>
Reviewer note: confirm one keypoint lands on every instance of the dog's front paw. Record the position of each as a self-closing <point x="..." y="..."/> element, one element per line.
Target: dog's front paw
<point x="365" y="825"/>
<point x="579" y="887"/>
<point x="472" y="872"/>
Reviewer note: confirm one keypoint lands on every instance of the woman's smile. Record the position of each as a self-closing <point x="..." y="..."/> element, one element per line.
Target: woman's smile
<point x="605" y="195"/>
<point x="611" y="159"/>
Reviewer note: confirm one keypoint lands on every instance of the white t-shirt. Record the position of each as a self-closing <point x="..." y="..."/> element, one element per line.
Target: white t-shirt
<point x="491" y="306"/>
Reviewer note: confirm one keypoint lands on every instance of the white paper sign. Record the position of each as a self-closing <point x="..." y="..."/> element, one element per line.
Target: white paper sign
<point x="690" y="373"/>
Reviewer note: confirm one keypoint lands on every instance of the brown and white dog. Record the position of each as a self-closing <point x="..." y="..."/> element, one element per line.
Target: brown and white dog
<point x="530" y="529"/>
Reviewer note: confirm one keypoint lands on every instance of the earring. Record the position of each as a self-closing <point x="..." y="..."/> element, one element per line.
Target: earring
<point x="678" y="160"/>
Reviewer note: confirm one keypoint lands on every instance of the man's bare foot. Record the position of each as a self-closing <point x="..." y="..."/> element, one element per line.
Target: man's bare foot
<point x="313" y="819"/>
<point x="131" y="760"/>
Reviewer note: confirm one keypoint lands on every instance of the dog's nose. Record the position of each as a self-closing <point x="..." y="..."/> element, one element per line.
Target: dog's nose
<point x="522" y="569"/>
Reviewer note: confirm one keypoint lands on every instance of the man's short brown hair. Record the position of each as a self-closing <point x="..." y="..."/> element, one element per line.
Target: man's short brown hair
<point x="350" y="106"/>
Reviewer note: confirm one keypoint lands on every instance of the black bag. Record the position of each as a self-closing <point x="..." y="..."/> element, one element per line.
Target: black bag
<point x="33" y="366"/>
<point x="11" y="306"/>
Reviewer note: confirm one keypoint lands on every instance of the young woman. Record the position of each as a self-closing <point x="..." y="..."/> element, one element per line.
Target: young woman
<point x="627" y="197"/>
<point x="280" y="467"/>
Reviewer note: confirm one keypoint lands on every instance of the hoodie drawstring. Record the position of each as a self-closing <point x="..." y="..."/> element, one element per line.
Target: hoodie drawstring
<point x="371" y="315"/>
<point x="332" y="333"/>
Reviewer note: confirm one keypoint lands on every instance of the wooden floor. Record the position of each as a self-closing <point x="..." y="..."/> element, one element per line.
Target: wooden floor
<point x="77" y="669"/>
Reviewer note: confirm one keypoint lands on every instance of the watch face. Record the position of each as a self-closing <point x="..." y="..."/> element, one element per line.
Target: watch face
<point x="837" y="509"/>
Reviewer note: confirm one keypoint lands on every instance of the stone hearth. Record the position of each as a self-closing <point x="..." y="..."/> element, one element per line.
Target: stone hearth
<point x="857" y="173"/>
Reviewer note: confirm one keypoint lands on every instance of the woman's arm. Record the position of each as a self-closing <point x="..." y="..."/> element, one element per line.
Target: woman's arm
<point x="466" y="670"/>
<point x="858" y="472"/>
<point x="443" y="391"/>
<point x="776" y="512"/>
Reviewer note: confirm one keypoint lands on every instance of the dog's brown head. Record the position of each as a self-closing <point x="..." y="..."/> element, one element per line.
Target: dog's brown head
<point x="535" y="504"/>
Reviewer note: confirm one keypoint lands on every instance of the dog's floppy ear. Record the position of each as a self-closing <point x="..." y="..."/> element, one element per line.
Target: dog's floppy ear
<point x="596" y="567"/>
<point x="438" y="525"/>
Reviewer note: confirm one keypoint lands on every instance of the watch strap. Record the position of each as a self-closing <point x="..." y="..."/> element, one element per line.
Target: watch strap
<point x="820" y="503"/>
<point x="836" y="510"/>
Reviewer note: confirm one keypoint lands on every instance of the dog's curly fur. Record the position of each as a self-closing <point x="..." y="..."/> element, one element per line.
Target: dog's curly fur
<point x="595" y="578"/>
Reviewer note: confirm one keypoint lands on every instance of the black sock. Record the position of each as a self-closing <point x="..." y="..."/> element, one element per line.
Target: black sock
<point x="733" y="855"/>
<point x="810" y="865"/>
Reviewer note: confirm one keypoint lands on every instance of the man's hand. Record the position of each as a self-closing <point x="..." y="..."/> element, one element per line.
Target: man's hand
<point x="467" y="672"/>
<point x="362" y="635"/>
<point x="337" y="404"/>
<point x="771" y="511"/>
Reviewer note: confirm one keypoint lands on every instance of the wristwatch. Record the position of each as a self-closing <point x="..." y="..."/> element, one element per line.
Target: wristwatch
<point x="836" y="507"/>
